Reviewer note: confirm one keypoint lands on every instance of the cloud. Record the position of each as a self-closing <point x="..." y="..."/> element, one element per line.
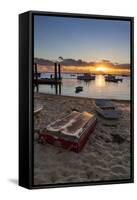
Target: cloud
<point x="73" y="62"/>
<point x="124" y="66"/>
<point x="110" y="64"/>
<point x="81" y="63"/>
<point x="65" y="62"/>
<point x="106" y="61"/>
<point x="42" y="61"/>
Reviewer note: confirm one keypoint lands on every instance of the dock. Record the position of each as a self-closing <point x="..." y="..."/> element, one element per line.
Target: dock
<point x="48" y="81"/>
<point x="55" y="80"/>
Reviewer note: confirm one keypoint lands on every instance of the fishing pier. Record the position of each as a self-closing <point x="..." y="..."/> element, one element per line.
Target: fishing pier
<point x="55" y="80"/>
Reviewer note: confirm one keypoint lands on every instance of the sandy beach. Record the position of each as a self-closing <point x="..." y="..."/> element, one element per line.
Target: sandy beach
<point x="106" y="155"/>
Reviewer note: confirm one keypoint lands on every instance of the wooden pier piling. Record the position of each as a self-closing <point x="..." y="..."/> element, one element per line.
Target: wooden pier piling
<point x="55" y="72"/>
<point x="36" y="76"/>
<point x="52" y="80"/>
<point x="59" y="71"/>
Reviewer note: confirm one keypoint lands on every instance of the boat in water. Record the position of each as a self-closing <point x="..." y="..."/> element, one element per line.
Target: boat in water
<point x="86" y="77"/>
<point x="79" y="89"/>
<point x="72" y="74"/>
<point x="125" y="75"/>
<point x="112" y="78"/>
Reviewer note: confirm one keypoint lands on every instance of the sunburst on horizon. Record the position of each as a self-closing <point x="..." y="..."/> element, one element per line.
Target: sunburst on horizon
<point x="101" y="68"/>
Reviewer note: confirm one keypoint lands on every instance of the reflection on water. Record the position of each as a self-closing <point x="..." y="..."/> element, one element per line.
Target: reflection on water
<point x="100" y="81"/>
<point x="57" y="88"/>
<point x="97" y="88"/>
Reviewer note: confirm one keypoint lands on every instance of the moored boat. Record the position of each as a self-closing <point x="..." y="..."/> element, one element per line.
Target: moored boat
<point x="125" y="75"/>
<point x="112" y="78"/>
<point x="119" y="79"/>
<point x="79" y="89"/>
<point x="86" y="76"/>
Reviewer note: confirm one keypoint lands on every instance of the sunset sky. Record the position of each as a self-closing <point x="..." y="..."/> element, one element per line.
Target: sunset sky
<point x="85" y="44"/>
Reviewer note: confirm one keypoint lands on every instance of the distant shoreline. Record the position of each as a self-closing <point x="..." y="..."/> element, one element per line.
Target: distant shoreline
<point x="123" y="74"/>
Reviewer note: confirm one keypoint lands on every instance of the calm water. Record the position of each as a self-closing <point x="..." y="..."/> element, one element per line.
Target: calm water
<point x="97" y="88"/>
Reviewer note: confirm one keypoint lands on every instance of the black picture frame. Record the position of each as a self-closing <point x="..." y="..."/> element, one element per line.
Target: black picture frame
<point x="26" y="103"/>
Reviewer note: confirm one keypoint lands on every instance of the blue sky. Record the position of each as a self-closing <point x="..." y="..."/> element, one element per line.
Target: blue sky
<point x="86" y="39"/>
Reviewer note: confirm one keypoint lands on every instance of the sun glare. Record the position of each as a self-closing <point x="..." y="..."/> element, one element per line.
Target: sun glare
<point x="101" y="68"/>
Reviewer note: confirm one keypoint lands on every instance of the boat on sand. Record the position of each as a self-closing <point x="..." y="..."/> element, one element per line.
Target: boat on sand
<point x="70" y="132"/>
<point x="106" y="109"/>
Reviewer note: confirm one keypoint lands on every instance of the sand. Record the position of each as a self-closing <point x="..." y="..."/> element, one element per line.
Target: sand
<point x="106" y="155"/>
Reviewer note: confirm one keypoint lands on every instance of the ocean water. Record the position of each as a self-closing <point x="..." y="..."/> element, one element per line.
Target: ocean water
<point x="97" y="88"/>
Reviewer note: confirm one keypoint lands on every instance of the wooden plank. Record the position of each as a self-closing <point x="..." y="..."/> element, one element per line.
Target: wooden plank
<point x="37" y="109"/>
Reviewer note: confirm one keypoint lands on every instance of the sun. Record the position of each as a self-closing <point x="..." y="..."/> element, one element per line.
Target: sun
<point x="101" y="69"/>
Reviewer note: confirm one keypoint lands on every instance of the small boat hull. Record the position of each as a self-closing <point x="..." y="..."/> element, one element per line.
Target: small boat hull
<point x="107" y="113"/>
<point x="77" y="129"/>
<point x="79" y="89"/>
<point x="86" y="77"/>
<point x="111" y="78"/>
<point x="106" y="109"/>
<point x="66" y="144"/>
